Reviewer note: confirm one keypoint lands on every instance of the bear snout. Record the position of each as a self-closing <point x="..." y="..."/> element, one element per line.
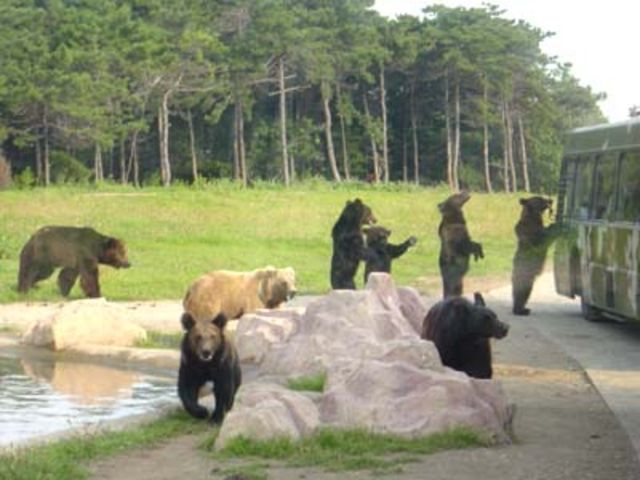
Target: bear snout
<point x="206" y="355"/>
<point x="291" y="294"/>
<point x="501" y="330"/>
<point x="125" y="264"/>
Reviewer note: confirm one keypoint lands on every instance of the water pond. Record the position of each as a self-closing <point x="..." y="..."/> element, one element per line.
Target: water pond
<point x="41" y="396"/>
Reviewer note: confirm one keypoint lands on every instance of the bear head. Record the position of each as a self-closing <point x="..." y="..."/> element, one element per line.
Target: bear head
<point x="453" y="205"/>
<point x="377" y="236"/>
<point x="204" y="338"/>
<point x="357" y="213"/>
<point x="483" y="321"/>
<point x="114" y="253"/>
<point x="276" y="286"/>
<point x="535" y="206"/>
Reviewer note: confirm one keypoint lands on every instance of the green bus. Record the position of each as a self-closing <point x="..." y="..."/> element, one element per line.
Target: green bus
<point x="598" y="256"/>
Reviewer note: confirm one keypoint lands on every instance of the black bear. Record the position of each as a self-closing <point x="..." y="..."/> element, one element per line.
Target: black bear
<point x="461" y="331"/>
<point x="348" y="244"/>
<point x="207" y="355"/>
<point x="456" y="245"/>
<point x="378" y="253"/>
<point x="77" y="250"/>
<point x="534" y="239"/>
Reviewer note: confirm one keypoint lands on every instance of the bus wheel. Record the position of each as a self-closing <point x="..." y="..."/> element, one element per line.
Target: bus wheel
<point x="589" y="312"/>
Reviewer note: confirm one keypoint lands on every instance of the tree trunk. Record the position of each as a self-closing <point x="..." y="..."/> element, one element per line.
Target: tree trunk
<point x="414" y="134"/>
<point x="98" y="171"/>
<point x="456" y="146"/>
<point x="163" y="131"/>
<point x="283" y="120"/>
<point x="343" y="135"/>
<point x="331" y="154"/>
<point x="505" y="148"/>
<point x="385" y="140"/>
<point x="192" y="145"/>
<point x="123" y="162"/>
<point x="39" y="173"/>
<point x="523" y="151"/>
<point x="485" y="140"/>
<point x="405" y="156"/>
<point x="242" y="156"/>
<point x="447" y="118"/>
<point x="512" y="165"/>
<point x="133" y="159"/>
<point x="237" y="175"/>
<point x="374" y="146"/>
<point x="46" y="159"/>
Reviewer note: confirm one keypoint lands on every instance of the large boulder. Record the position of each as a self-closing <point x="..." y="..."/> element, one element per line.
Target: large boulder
<point x="265" y="410"/>
<point x="380" y="375"/>
<point x="84" y="322"/>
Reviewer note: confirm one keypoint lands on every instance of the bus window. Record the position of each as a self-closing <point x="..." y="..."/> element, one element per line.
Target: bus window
<point x="629" y="208"/>
<point x="582" y="188"/>
<point x="605" y="180"/>
<point x="570" y="176"/>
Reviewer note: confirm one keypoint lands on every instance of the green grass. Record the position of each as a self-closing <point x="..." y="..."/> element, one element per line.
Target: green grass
<point x="161" y="340"/>
<point x="67" y="459"/>
<point x="176" y="234"/>
<point x="338" y="450"/>
<point x="312" y="383"/>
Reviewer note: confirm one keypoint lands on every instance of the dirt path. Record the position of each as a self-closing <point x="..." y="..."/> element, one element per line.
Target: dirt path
<point x="564" y="430"/>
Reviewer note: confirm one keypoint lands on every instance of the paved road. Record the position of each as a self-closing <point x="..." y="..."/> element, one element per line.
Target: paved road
<point x="608" y="352"/>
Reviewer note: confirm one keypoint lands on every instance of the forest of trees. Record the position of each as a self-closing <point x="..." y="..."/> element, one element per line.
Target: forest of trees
<point x="153" y="91"/>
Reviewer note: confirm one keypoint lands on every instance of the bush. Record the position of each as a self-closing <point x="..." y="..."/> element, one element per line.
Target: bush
<point x="5" y="173"/>
<point x="25" y="179"/>
<point x="67" y="169"/>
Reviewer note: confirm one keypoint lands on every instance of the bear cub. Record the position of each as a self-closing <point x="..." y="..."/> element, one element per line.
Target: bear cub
<point x="534" y="239"/>
<point x="378" y="252"/>
<point x="78" y="251"/>
<point x="456" y="245"/>
<point x="348" y="244"/>
<point x="461" y="332"/>
<point x="207" y="355"/>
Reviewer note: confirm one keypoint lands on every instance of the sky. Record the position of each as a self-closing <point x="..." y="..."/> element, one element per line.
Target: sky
<point x="596" y="37"/>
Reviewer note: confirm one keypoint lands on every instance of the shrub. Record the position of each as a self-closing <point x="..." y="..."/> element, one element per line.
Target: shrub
<point x="5" y="173"/>
<point x="67" y="169"/>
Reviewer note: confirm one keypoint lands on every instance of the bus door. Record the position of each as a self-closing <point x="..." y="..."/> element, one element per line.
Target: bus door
<point x="599" y="237"/>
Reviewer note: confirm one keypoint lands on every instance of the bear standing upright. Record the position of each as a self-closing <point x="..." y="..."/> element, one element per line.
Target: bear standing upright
<point x="534" y="239"/>
<point x="77" y="250"/>
<point x="348" y="244"/>
<point x="461" y="332"/>
<point x="378" y="253"/>
<point x="207" y="355"/>
<point x="456" y="245"/>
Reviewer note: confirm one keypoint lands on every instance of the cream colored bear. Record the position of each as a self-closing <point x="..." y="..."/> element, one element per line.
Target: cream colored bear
<point x="236" y="293"/>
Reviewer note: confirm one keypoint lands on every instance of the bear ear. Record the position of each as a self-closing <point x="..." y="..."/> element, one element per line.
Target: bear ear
<point x="220" y="321"/>
<point x="187" y="321"/>
<point x="110" y="243"/>
<point x="523" y="201"/>
<point x="478" y="300"/>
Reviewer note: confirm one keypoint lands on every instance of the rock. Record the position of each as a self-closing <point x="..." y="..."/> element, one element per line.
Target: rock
<point x="380" y="375"/>
<point x="263" y="411"/>
<point x="399" y="398"/>
<point x="84" y="322"/>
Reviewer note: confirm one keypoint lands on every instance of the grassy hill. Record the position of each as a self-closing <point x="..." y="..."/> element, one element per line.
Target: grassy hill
<point x="176" y="234"/>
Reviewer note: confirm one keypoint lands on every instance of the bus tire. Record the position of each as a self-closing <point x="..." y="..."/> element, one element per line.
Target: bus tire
<point x="589" y="312"/>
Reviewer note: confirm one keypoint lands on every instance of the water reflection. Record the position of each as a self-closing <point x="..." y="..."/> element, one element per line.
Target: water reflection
<point x="39" y="397"/>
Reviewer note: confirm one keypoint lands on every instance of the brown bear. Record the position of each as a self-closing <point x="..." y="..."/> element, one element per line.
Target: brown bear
<point x="207" y="355"/>
<point x="534" y="239"/>
<point x="236" y="293"/>
<point x="77" y="250"/>
<point x="378" y="252"/>
<point x="461" y="331"/>
<point x="456" y="245"/>
<point x="348" y="244"/>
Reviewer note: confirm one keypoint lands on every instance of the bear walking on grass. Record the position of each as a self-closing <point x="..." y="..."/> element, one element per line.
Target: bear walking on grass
<point x="378" y="252"/>
<point x="78" y="251"/>
<point x="456" y="245"/>
<point x="461" y="332"/>
<point x="348" y="244"/>
<point x="207" y="355"/>
<point x="534" y="239"/>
